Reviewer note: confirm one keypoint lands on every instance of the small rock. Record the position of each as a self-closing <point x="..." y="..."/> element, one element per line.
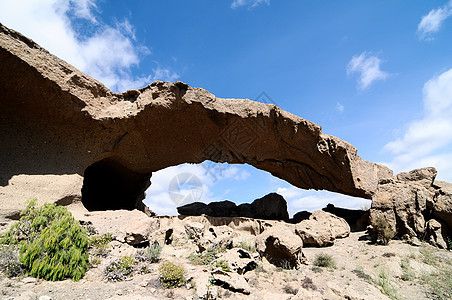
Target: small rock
<point x="153" y="290"/>
<point x="45" y="298"/>
<point x="29" y="280"/>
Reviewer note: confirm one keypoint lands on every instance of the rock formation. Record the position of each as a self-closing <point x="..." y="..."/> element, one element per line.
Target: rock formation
<point x="270" y="207"/>
<point x="59" y="122"/>
<point x="410" y="201"/>
<point x="358" y="219"/>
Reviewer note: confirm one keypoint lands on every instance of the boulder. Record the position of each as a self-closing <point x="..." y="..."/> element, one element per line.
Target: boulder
<point x="239" y="260"/>
<point x="63" y="122"/>
<point x="215" y="237"/>
<point x="270" y="207"/>
<point x="436" y="233"/>
<point x="280" y="245"/>
<point x="231" y="281"/>
<point x="194" y="230"/>
<point x="194" y="209"/>
<point x="119" y="224"/>
<point x="300" y="216"/>
<point x="322" y="229"/>
<point x="357" y="219"/>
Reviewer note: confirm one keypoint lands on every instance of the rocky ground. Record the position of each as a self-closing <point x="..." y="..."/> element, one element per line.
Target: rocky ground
<point x="360" y="270"/>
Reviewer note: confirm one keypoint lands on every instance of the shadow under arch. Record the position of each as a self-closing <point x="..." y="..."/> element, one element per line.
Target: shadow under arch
<point x="108" y="185"/>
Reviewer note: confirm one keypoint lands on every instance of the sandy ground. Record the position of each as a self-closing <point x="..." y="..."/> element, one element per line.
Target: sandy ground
<point x="359" y="268"/>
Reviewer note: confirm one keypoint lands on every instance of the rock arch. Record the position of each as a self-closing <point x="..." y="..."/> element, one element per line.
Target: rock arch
<point x="57" y="120"/>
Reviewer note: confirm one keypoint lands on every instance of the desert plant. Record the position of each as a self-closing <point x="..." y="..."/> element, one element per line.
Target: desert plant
<point x="428" y="257"/>
<point x="171" y="275"/>
<point x="118" y="269"/>
<point x="384" y="231"/>
<point x="248" y="245"/>
<point x="223" y="264"/>
<point x="204" y="258"/>
<point x="308" y="284"/>
<point x="290" y="290"/>
<point x="359" y="272"/>
<point x="58" y="252"/>
<point x="152" y="252"/>
<point x="440" y="283"/>
<point x="384" y="282"/>
<point x="52" y="243"/>
<point x="324" y="260"/>
<point x="99" y="244"/>
<point x="407" y="271"/>
<point x="9" y="261"/>
<point x="316" y="269"/>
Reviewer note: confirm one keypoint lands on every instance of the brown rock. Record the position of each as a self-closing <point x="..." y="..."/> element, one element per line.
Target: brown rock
<point x="322" y="229"/>
<point x="357" y="219"/>
<point x="403" y="202"/>
<point x="270" y="207"/>
<point x="437" y="233"/>
<point x="61" y="121"/>
<point x="280" y="245"/>
<point x="231" y="281"/>
<point x="442" y="203"/>
<point x="239" y="260"/>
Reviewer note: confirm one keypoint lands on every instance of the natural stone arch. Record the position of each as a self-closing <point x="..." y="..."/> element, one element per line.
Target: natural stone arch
<point x="57" y="120"/>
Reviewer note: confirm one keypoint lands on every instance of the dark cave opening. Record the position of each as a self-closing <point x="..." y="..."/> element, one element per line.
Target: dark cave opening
<point x="108" y="185"/>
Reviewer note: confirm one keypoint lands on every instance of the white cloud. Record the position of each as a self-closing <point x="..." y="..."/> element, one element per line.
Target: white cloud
<point x="339" y="107"/>
<point x="163" y="199"/>
<point x="428" y="141"/>
<point x="300" y="200"/>
<point x="431" y="23"/>
<point x="249" y="3"/>
<point x="108" y="53"/>
<point x="368" y="68"/>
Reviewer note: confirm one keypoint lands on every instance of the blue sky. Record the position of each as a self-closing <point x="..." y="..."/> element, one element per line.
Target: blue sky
<point x="377" y="74"/>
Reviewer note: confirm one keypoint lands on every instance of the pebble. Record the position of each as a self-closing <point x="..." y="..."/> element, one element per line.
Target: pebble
<point x="45" y="298"/>
<point x="29" y="280"/>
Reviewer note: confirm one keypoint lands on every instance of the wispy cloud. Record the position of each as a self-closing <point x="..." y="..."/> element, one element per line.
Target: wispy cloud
<point x="249" y="3"/>
<point x="106" y="52"/>
<point x="431" y="23"/>
<point x="367" y="66"/>
<point x="159" y="196"/>
<point x="428" y="141"/>
<point x="339" y="107"/>
<point x="300" y="200"/>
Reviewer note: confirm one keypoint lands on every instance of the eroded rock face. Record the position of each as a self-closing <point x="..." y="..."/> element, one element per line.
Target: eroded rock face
<point x="412" y="201"/>
<point x="57" y="120"/>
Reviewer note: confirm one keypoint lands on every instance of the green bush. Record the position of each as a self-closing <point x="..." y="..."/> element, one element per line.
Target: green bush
<point x="223" y="264"/>
<point x="384" y="231"/>
<point x="9" y="261"/>
<point x="118" y="269"/>
<point x="324" y="260"/>
<point x="171" y="275"/>
<point x="53" y="245"/>
<point x="99" y="244"/>
<point x="205" y="258"/>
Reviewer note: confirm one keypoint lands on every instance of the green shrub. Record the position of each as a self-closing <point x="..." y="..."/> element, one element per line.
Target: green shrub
<point x="223" y="264"/>
<point x="290" y="290"/>
<point x="204" y="258"/>
<point x="99" y="244"/>
<point x="171" y="275"/>
<point x="440" y="282"/>
<point x="248" y="246"/>
<point x="383" y="230"/>
<point x="118" y="269"/>
<point x="53" y="245"/>
<point x="324" y="260"/>
<point x="58" y="252"/>
<point x="384" y="282"/>
<point x="9" y="261"/>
